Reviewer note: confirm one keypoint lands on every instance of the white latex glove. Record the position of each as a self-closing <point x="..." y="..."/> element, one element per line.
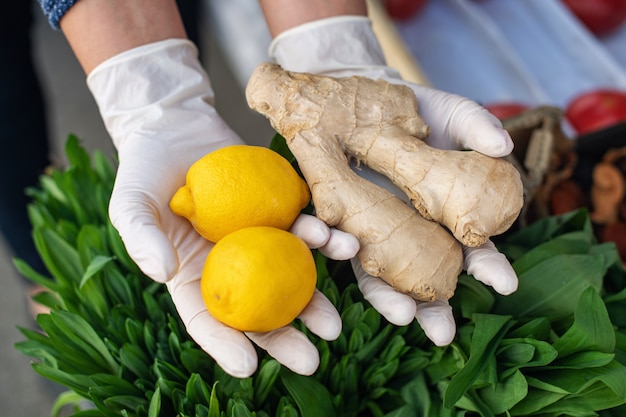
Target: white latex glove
<point x="156" y="102"/>
<point x="346" y="46"/>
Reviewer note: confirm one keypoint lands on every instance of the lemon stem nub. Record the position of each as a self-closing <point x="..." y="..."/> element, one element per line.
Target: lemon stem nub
<point x="182" y="202"/>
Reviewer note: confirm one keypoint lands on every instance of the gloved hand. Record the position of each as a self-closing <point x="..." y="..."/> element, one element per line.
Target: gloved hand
<point x="346" y="46"/>
<point x="156" y="103"/>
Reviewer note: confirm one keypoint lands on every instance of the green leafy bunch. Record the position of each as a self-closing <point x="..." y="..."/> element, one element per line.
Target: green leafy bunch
<point x="113" y="337"/>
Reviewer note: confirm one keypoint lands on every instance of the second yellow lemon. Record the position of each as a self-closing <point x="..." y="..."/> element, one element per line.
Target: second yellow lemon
<point x="258" y="279"/>
<point x="240" y="186"/>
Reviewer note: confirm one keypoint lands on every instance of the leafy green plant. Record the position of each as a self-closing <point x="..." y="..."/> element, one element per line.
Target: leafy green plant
<point x="556" y="347"/>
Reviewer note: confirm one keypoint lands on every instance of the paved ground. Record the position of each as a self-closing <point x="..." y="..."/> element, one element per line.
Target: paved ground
<point x="72" y="110"/>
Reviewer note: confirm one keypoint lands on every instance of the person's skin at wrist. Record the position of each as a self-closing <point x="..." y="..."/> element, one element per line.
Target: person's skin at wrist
<point x="100" y="29"/>
<point x="282" y="15"/>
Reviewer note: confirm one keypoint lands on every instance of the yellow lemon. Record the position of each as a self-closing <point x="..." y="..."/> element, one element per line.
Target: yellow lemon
<point x="240" y="186"/>
<point x="258" y="279"/>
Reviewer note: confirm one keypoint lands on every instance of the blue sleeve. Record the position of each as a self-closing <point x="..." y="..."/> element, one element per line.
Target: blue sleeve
<point x="55" y="9"/>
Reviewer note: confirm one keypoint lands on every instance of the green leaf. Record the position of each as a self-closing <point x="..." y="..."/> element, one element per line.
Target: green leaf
<point x="103" y="167"/>
<point x="378" y="374"/>
<point x="52" y="188"/>
<point x="591" y="388"/>
<point x="311" y="397"/>
<point x="67" y="398"/>
<point x="614" y="277"/>
<point x="35" y="277"/>
<point x="420" y="399"/>
<point x="92" y="300"/>
<point x="120" y="289"/>
<point x="552" y="288"/>
<point x="549" y="227"/>
<point x="154" y="409"/>
<point x="395" y="347"/>
<point x="446" y="362"/>
<point x="471" y="401"/>
<point x="592" y="329"/>
<point x="78" y="383"/>
<point x="118" y="403"/>
<point x="43" y="351"/>
<point x="115" y="384"/>
<point x="356" y="340"/>
<point x="197" y="391"/>
<point x="285" y="409"/>
<point x="39" y="215"/>
<point x="119" y="250"/>
<point x="214" y="405"/>
<point x="350" y="318"/>
<point x="471" y="296"/>
<point x="535" y="400"/>
<point x="571" y="243"/>
<point x="135" y="359"/>
<point x="48" y="299"/>
<point x="370" y="349"/>
<point x="525" y="353"/>
<point x="76" y="154"/>
<point x="489" y="330"/>
<point x="61" y="259"/>
<point x="168" y="371"/>
<point x="265" y="379"/>
<point x="95" y="266"/>
<point x="582" y="360"/>
<point x="516" y="353"/>
<point x="82" y="335"/>
<point x="506" y="393"/>
<point x="538" y="328"/>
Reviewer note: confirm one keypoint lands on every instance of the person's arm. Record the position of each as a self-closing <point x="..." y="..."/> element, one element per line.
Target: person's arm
<point x="100" y="29"/>
<point x="281" y="15"/>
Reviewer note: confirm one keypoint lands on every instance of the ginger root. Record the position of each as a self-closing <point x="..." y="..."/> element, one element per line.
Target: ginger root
<point x="377" y="123"/>
<point x="414" y="255"/>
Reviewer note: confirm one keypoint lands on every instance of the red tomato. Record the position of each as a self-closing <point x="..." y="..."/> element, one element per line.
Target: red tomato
<point x="403" y="9"/>
<point x="506" y="109"/>
<point x="596" y="110"/>
<point x="599" y="16"/>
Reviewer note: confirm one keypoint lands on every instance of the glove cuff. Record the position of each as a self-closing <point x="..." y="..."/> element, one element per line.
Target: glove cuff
<point x="336" y="46"/>
<point x="133" y="89"/>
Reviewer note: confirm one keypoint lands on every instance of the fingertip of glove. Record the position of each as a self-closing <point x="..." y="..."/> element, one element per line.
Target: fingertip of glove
<point x="487" y="135"/>
<point x="506" y="286"/>
<point x="502" y="145"/>
<point x="290" y="347"/>
<point x="306" y="363"/>
<point x="440" y="336"/>
<point x="397" y="308"/>
<point x="312" y="230"/>
<point x="400" y="312"/>
<point x="437" y="321"/>
<point x="341" y="246"/>
<point x="321" y="317"/>
<point x="331" y="331"/>
<point x="240" y="371"/>
<point x="497" y="143"/>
